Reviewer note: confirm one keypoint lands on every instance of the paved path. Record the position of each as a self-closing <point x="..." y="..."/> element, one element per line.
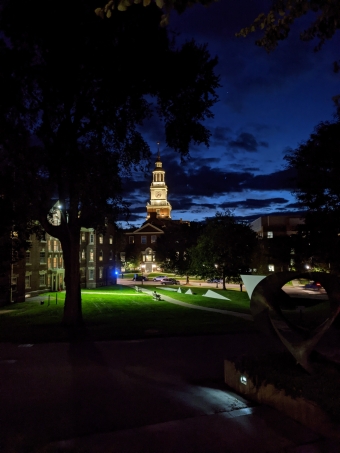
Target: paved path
<point x="163" y="395"/>
<point x="198" y="307"/>
<point x="151" y="396"/>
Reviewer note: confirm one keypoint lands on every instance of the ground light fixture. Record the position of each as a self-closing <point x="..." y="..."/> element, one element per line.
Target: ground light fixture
<point x="243" y="379"/>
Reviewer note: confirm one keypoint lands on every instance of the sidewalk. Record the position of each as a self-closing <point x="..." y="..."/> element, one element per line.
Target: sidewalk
<point x="163" y="395"/>
<point x="198" y="307"/>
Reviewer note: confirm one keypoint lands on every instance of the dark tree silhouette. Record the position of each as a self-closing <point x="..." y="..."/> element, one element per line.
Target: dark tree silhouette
<point x="173" y="248"/>
<point x="317" y="167"/>
<point x="224" y="249"/>
<point x="276" y="24"/>
<point x="76" y="90"/>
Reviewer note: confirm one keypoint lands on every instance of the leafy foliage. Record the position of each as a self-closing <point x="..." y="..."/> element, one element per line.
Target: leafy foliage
<point x="224" y="249"/>
<point x="317" y="165"/>
<point x="173" y="248"/>
<point x="165" y="5"/>
<point x="71" y="125"/>
<point x="276" y="24"/>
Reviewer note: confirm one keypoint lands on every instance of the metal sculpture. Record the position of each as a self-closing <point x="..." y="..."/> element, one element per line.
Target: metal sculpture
<point x="267" y="313"/>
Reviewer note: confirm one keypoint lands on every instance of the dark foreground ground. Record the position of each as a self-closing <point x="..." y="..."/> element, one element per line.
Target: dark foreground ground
<point x="150" y="396"/>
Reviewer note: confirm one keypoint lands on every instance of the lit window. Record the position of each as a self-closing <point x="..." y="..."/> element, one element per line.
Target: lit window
<point x="101" y="255"/>
<point x="91" y="274"/>
<point x="101" y="239"/>
<point x="61" y="261"/>
<point x="271" y="267"/>
<point x="111" y="240"/>
<point x="14" y="282"/>
<point x="270" y="234"/>
<point x="91" y="255"/>
<point x="143" y="239"/>
<point x="83" y="254"/>
<point x="83" y="237"/>
<point x="55" y="246"/>
<point x="292" y="262"/>
<point x="153" y="238"/>
<point x="49" y="261"/>
<point x="100" y="272"/>
<point x="131" y="239"/>
<point x="27" y="281"/>
<point x="42" y="257"/>
<point x="55" y="263"/>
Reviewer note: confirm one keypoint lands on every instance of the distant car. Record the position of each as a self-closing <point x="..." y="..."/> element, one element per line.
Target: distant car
<point x="169" y="281"/>
<point x="158" y="278"/>
<point x="315" y="286"/>
<point x="140" y="278"/>
<point x="214" y="280"/>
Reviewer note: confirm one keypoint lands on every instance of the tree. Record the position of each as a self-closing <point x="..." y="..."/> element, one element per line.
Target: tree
<point x="276" y="24"/>
<point x="173" y="248"/>
<point x="224" y="248"/>
<point x="166" y="6"/>
<point x="317" y="168"/>
<point x="79" y="90"/>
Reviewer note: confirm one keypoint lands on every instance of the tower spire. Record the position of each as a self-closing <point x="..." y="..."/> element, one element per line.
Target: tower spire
<point x="159" y="204"/>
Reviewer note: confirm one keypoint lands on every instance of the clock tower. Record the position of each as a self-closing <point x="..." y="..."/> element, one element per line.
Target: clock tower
<point x="159" y="193"/>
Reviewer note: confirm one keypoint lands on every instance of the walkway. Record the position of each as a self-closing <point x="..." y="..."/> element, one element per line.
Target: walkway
<point x="162" y="395"/>
<point x="198" y="307"/>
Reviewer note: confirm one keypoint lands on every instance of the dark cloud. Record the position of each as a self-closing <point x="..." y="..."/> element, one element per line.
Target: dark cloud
<point x="246" y="141"/>
<point x="190" y="181"/>
<point x="294" y="206"/>
<point x="252" y="203"/>
<point x="220" y="135"/>
<point x="279" y="180"/>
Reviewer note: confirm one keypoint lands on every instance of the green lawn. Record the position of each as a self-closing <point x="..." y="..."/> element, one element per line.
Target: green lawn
<point x="239" y="301"/>
<point x="115" y="313"/>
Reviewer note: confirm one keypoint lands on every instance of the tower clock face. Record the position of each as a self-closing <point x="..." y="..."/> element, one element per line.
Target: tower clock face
<point x="158" y="194"/>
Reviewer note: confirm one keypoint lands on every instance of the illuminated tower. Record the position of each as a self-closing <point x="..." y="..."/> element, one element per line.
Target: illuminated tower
<point x="158" y="193"/>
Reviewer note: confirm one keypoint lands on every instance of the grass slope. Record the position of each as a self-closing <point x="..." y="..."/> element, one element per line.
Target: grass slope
<point x="113" y="313"/>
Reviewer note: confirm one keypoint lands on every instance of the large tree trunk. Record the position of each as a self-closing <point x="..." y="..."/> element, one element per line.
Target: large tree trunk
<point x="72" y="310"/>
<point x="69" y="237"/>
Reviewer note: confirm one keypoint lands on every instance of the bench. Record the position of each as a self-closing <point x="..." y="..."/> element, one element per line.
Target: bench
<point x="156" y="296"/>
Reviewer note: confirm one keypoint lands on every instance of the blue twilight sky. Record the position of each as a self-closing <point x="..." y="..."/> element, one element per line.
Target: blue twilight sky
<point x="268" y="104"/>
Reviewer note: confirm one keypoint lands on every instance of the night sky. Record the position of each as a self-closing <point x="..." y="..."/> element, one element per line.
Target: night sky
<point x="268" y="104"/>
